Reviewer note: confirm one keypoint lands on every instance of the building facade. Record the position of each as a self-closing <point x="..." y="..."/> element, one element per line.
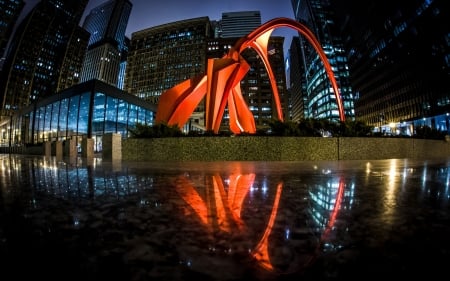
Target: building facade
<point x="399" y="59"/>
<point x="320" y="98"/>
<point x="298" y="102"/>
<point x="163" y="56"/>
<point x="107" y="24"/>
<point x="256" y="87"/>
<point x="238" y="24"/>
<point x="38" y="52"/>
<point x="123" y="64"/>
<point x="71" y="67"/>
<point x="9" y="13"/>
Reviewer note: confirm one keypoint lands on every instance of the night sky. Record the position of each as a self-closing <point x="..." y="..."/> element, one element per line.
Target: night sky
<point x="146" y="13"/>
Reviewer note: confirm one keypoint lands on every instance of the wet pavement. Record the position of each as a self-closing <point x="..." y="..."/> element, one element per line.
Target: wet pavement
<point x="87" y="219"/>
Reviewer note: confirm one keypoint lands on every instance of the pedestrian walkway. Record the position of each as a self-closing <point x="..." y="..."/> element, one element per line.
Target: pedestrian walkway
<point x="90" y="219"/>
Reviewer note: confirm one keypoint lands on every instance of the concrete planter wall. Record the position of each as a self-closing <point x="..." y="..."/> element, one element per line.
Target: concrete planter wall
<point x="257" y="148"/>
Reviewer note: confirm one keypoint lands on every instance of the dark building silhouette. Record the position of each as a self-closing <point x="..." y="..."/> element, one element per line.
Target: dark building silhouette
<point x="297" y="88"/>
<point x="239" y="24"/>
<point x="38" y="52"/>
<point x="107" y="24"/>
<point x="71" y="68"/>
<point x="256" y="87"/>
<point x="320" y="99"/>
<point x="9" y="13"/>
<point x="399" y="58"/>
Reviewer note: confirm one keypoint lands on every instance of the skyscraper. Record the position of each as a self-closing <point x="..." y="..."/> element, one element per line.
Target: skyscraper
<point x="9" y="13"/>
<point x="399" y="59"/>
<point x="71" y="68"/>
<point x="163" y="56"/>
<point x="297" y="88"/>
<point x="107" y="24"/>
<point x="239" y="24"/>
<point x="320" y="99"/>
<point x="177" y="53"/>
<point x="38" y="52"/>
<point x="256" y="87"/>
<point x="123" y="64"/>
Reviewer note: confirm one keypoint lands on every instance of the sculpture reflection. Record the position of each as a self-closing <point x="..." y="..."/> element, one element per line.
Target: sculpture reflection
<point x="222" y="211"/>
<point x="208" y="217"/>
<point x="219" y="220"/>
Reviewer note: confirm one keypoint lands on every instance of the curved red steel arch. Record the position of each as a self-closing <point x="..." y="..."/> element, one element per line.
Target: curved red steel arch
<point x="221" y="84"/>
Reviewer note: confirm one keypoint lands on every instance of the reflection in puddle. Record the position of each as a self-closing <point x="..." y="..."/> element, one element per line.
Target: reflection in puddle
<point x="227" y="219"/>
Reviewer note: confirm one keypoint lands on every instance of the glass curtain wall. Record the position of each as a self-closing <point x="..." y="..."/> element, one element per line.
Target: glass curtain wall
<point x="70" y="117"/>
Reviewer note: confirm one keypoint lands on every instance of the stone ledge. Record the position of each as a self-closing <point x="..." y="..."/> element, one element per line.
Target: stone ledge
<point x="258" y="148"/>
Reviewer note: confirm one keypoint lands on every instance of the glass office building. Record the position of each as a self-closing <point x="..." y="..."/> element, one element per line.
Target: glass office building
<point x="107" y="24"/>
<point x="313" y="86"/>
<point x="90" y="110"/>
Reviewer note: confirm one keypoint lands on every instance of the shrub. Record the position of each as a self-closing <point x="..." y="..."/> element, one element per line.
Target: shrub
<point x="352" y="128"/>
<point x="155" y="131"/>
<point x="426" y="132"/>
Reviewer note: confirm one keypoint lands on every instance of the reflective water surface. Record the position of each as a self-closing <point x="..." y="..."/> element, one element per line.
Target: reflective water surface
<point x="87" y="219"/>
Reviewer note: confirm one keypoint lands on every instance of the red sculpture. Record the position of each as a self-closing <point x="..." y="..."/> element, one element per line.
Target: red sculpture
<point x="221" y="84"/>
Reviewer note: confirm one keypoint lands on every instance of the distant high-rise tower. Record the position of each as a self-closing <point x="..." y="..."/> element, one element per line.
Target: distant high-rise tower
<point x="9" y="13"/>
<point x="38" y="52"/>
<point x="239" y="24"/>
<point x="107" y="24"/>
<point x="321" y="100"/>
<point x="123" y="64"/>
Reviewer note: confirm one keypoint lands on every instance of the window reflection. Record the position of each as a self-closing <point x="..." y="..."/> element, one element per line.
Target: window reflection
<point x="29" y="123"/>
<point x="83" y="116"/>
<point x="132" y="116"/>
<point x="55" y="121"/>
<point x="98" y="124"/>
<point x="40" y="120"/>
<point x="64" y="110"/>
<point x="47" y="122"/>
<point x="72" y="124"/>
<point x="122" y="117"/>
<point x="111" y="115"/>
<point x="269" y="211"/>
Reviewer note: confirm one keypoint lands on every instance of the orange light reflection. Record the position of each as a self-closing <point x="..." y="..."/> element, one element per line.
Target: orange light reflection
<point x="228" y="208"/>
<point x="223" y="212"/>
